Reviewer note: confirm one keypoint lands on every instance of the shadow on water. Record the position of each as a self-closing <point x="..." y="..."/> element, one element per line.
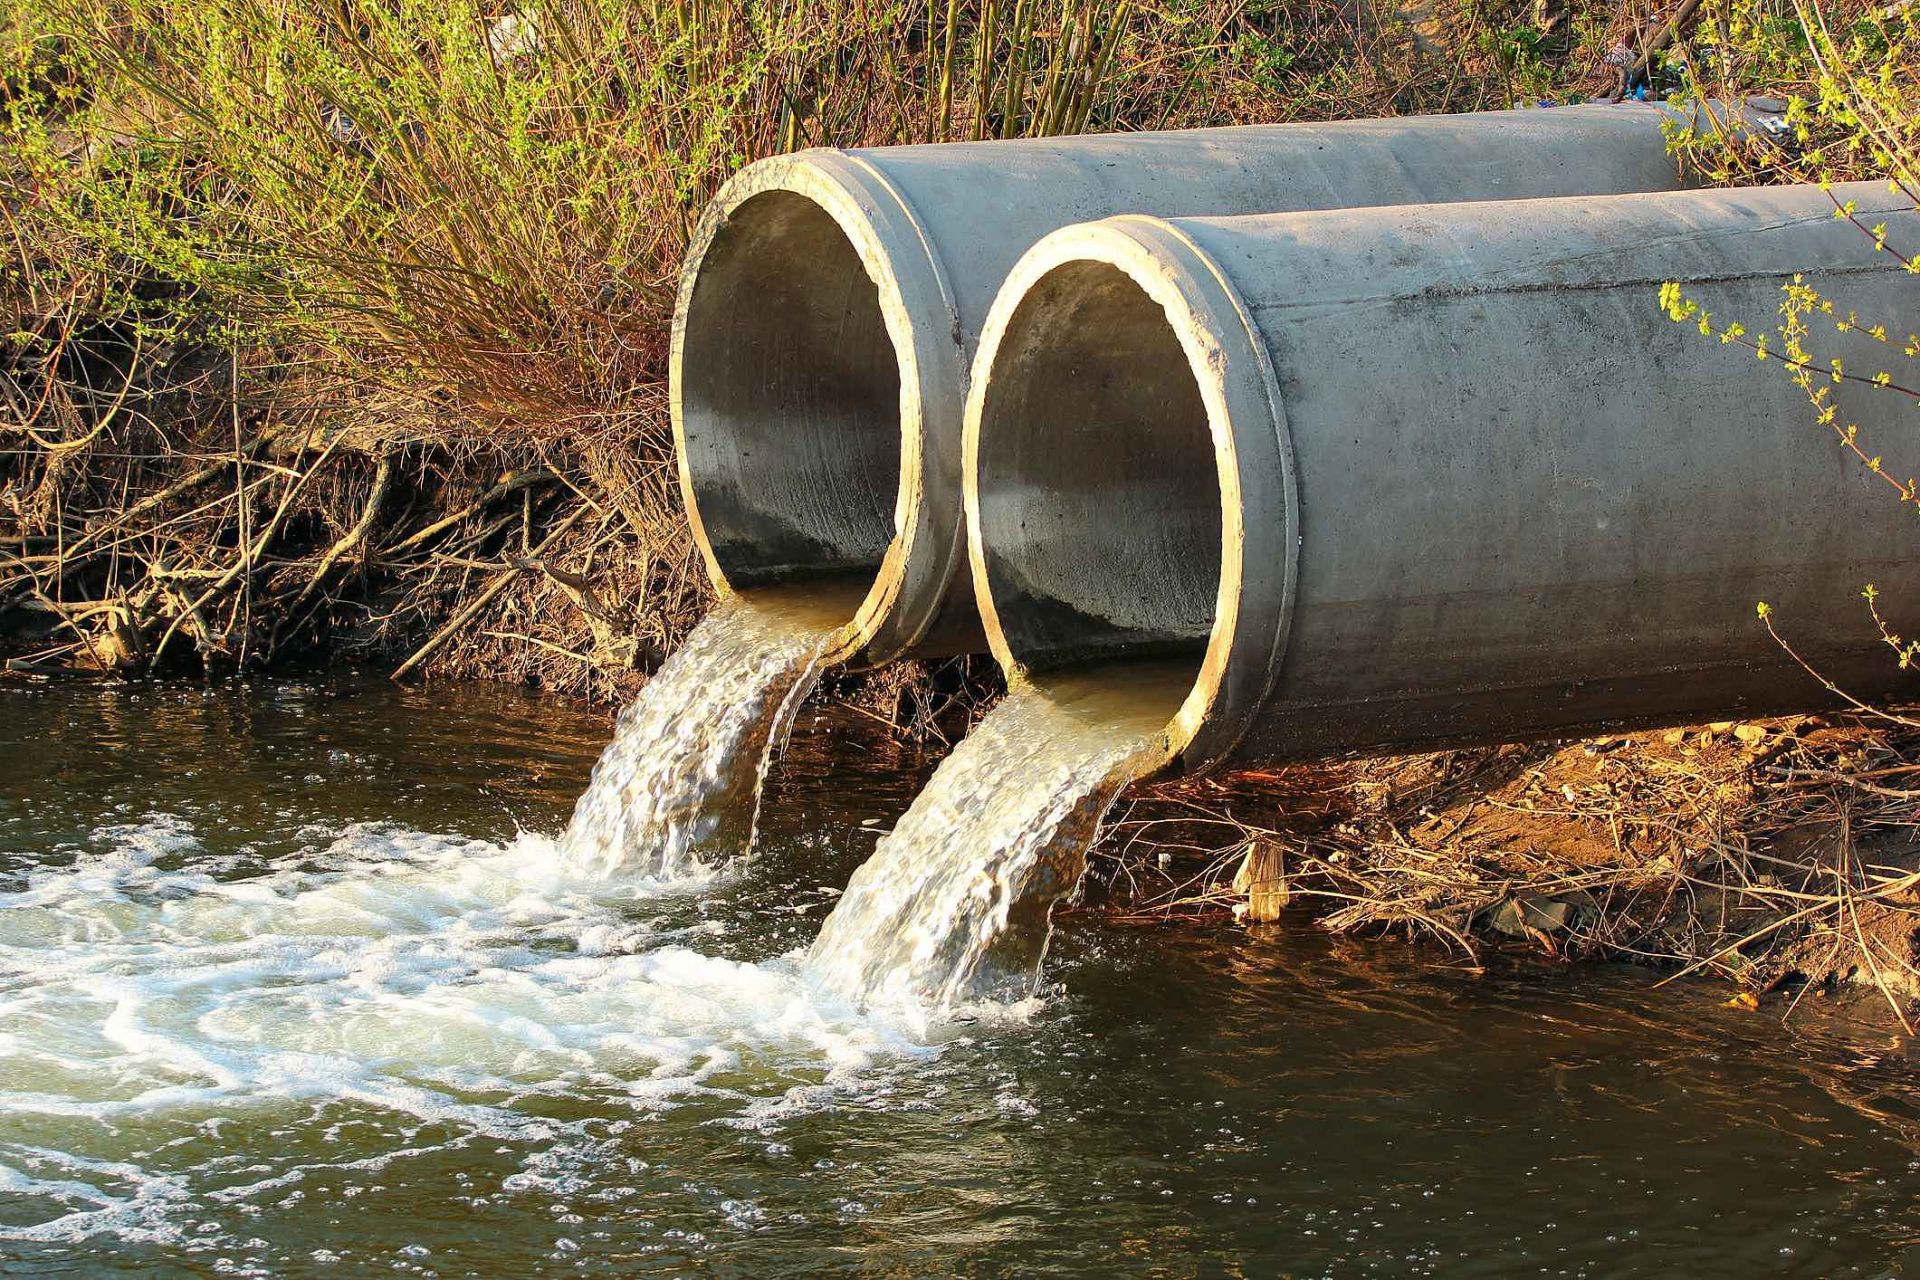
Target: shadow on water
<point x="1187" y="1100"/>
<point x="252" y="765"/>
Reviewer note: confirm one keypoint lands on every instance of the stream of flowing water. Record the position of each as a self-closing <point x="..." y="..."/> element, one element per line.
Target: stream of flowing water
<point x="682" y="776"/>
<point x="955" y="904"/>
<point x="291" y="984"/>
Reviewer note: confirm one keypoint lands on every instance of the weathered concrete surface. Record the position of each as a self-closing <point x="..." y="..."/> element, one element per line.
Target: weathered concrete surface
<point x="832" y="301"/>
<point x="1393" y="478"/>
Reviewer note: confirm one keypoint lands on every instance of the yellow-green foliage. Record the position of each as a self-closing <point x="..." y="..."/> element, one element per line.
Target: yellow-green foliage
<point x="1848" y="70"/>
<point x="1853" y="111"/>
<point x="1851" y="78"/>
<point x="488" y="200"/>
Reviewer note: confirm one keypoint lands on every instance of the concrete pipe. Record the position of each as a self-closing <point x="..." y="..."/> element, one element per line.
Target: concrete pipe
<point x="1407" y="477"/>
<point x="832" y="300"/>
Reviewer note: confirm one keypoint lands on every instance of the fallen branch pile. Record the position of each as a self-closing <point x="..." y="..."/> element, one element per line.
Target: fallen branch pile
<point x="224" y="527"/>
<point x="1782" y="854"/>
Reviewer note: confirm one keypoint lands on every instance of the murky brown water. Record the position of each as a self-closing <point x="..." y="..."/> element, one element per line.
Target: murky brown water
<point x="294" y="981"/>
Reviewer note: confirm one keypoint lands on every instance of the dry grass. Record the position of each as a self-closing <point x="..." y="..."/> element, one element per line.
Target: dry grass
<point x="447" y="246"/>
<point x="1780" y="854"/>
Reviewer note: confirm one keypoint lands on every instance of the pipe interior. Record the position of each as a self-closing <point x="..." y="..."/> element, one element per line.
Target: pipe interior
<point x="1099" y="498"/>
<point x="790" y="399"/>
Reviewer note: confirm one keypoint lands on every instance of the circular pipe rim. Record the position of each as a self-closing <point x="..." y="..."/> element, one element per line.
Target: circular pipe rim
<point x="923" y="324"/>
<point x="1253" y="453"/>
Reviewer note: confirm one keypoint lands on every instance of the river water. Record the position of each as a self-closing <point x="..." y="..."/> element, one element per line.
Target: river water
<point x="296" y="980"/>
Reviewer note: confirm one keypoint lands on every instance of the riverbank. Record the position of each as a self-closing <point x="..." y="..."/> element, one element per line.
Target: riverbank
<point x="295" y="376"/>
<point x="1781" y="855"/>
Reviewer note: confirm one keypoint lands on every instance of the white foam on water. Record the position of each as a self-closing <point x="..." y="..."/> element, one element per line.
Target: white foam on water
<point x="153" y="995"/>
<point x="429" y="980"/>
<point x="91" y="1197"/>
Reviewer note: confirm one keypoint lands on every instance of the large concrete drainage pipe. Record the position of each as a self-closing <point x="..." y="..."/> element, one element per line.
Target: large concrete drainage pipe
<point x="832" y="300"/>
<point x="1403" y="477"/>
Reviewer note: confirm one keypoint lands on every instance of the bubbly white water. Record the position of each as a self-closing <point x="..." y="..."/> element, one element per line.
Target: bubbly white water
<point x="469" y="989"/>
<point x="954" y="904"/>
<point x="167" y="1016"/>
<point x="682" y="775"/>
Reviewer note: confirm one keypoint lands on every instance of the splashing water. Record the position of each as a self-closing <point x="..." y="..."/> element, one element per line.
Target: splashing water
<point x="418" y="994"/>
<point x="682" y="775"/>
<point x="954" y="904"/>
<point x="396" y="985"/>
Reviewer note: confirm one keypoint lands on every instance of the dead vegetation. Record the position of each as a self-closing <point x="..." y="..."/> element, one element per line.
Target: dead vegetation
<point x="1781" y="854"/>
<point x="331" y="332"/>
<point x="334" y="519"/>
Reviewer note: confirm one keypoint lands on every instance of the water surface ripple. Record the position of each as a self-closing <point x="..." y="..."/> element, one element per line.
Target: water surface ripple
<point x="294" y="981"/>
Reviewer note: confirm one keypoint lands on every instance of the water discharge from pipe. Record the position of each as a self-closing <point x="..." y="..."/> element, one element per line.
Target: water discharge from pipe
<point x="681" y="779"/>
<point x="954" y="906"/>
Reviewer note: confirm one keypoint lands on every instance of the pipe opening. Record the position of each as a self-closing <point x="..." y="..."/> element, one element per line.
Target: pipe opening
<point x="790" y="401"/>
<point x="1099" y="503"/>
